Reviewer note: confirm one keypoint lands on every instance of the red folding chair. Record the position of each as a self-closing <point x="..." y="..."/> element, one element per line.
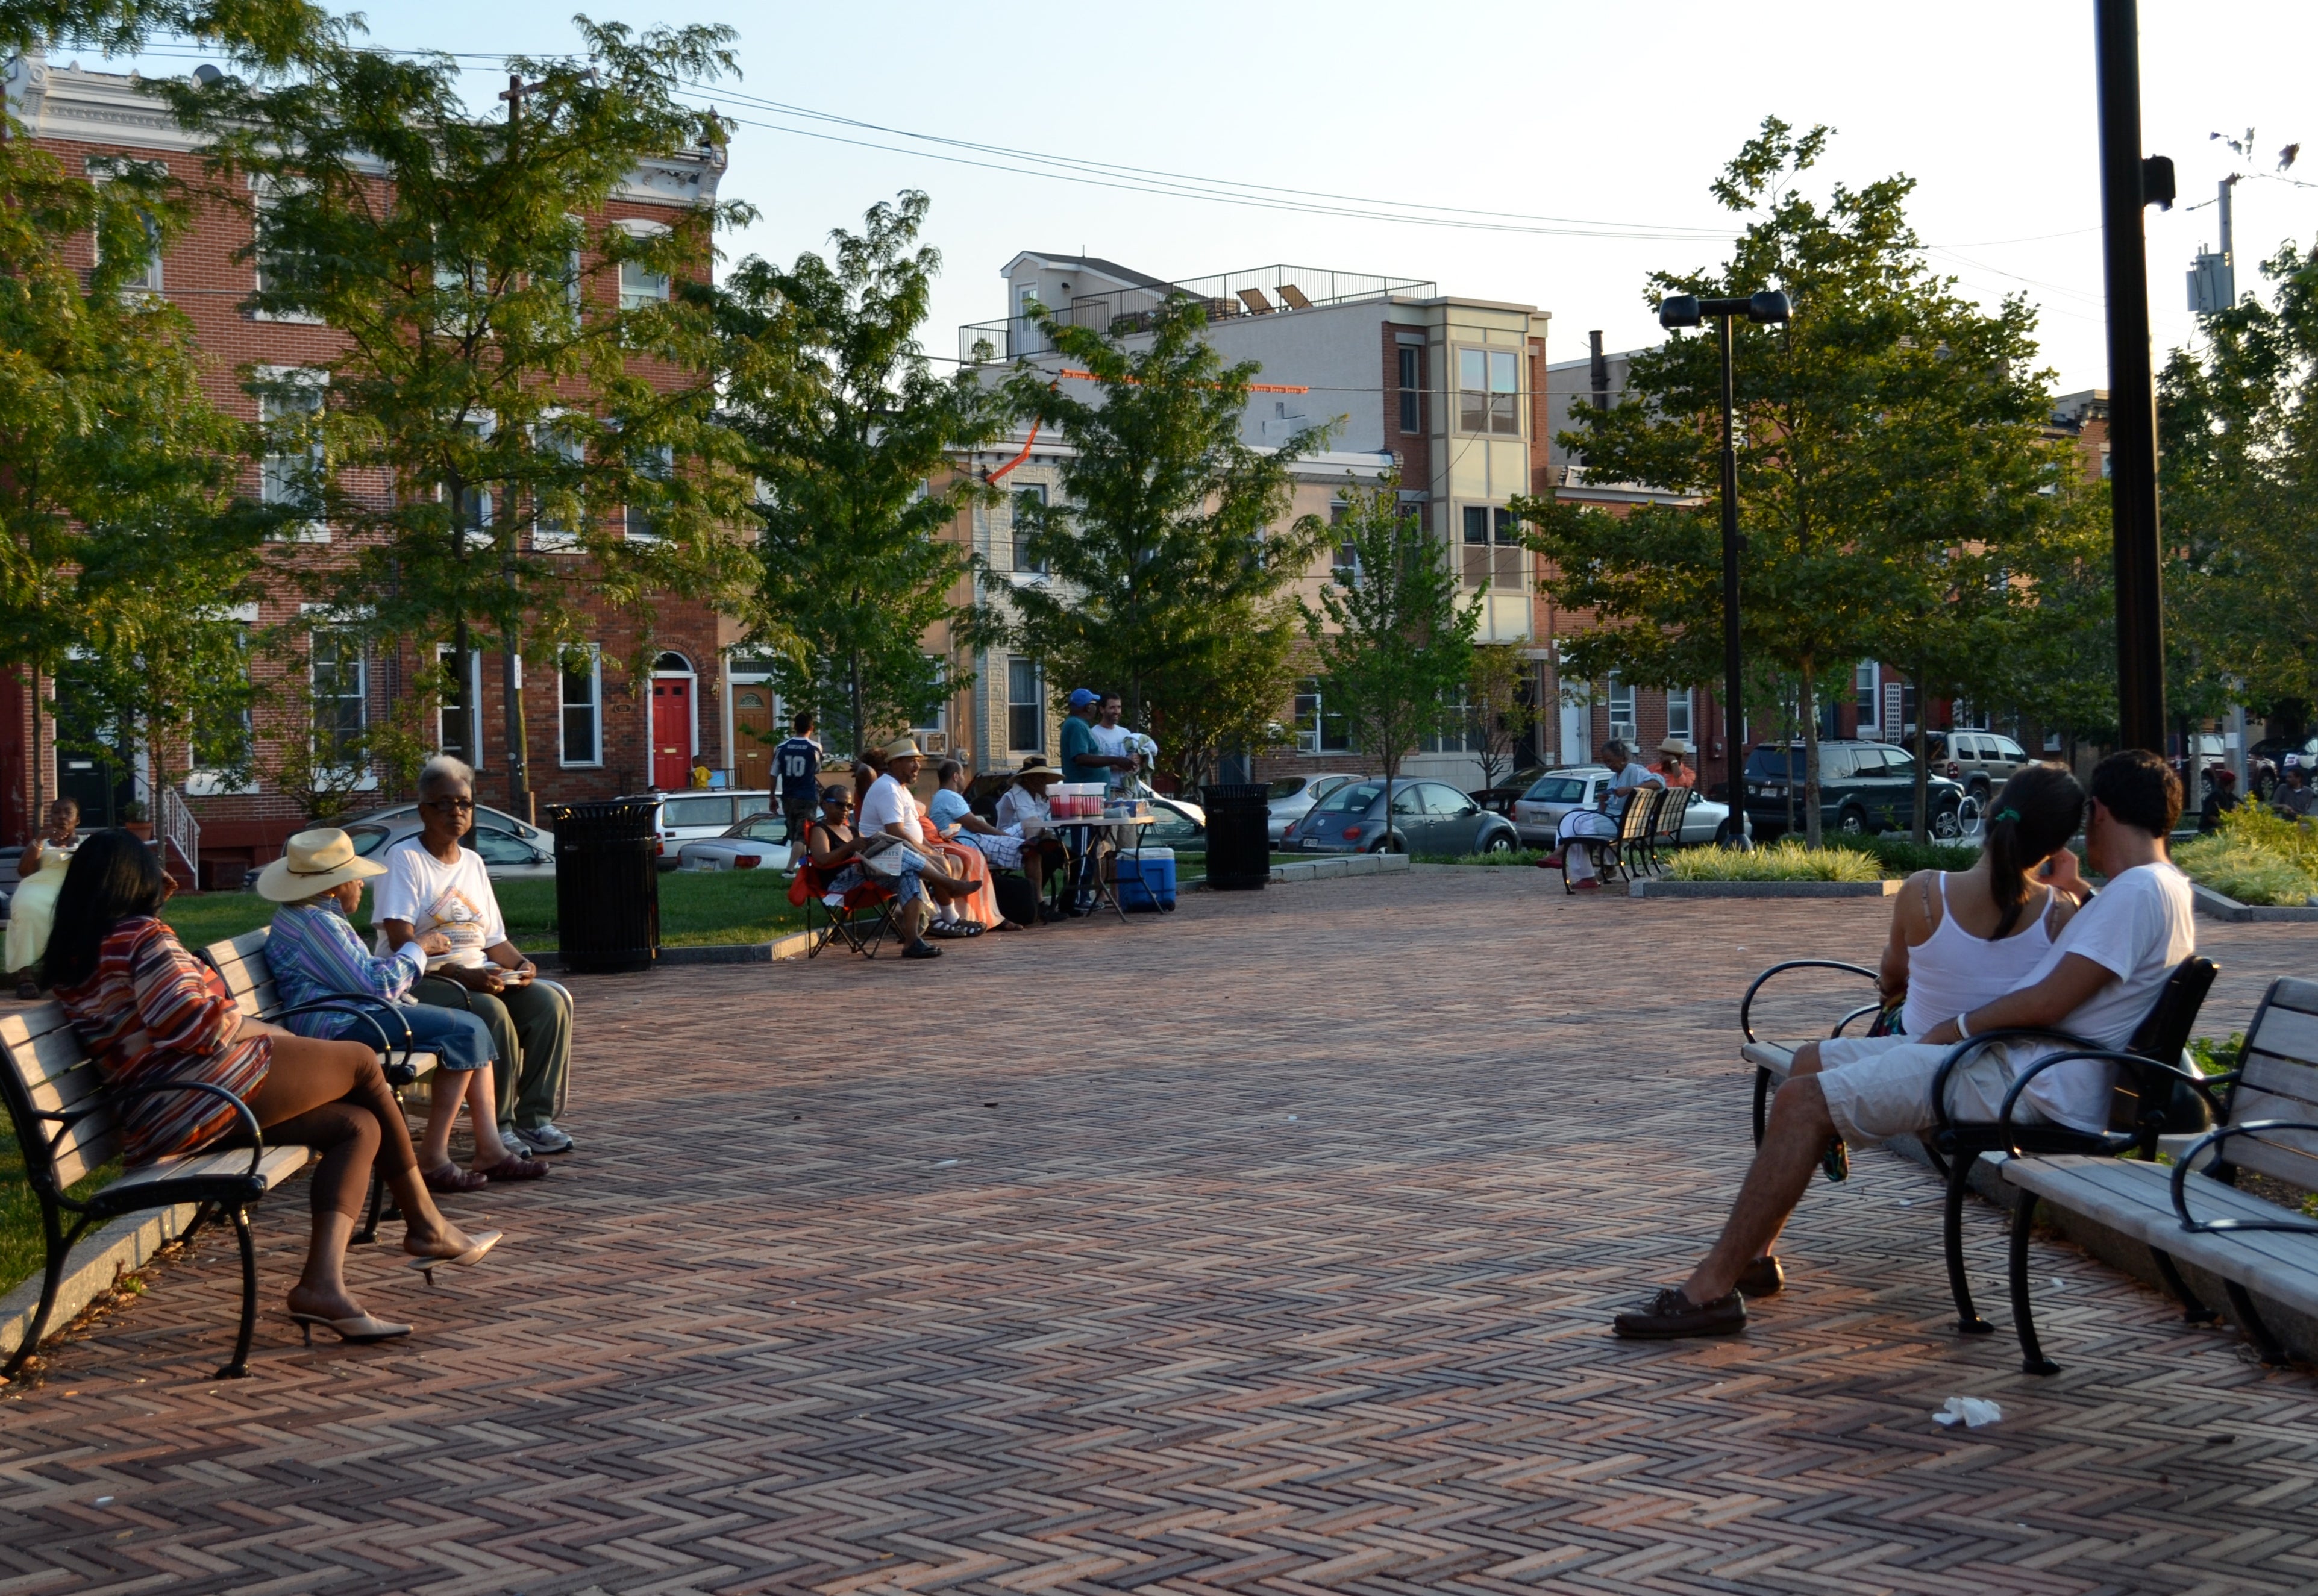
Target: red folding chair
<point x="861" y="920"/>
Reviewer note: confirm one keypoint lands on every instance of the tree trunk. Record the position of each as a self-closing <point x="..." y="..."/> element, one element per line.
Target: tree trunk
<point x="37" y="822"/>
<point x="1812" y="829"/>
<point x="1787" y="755"/>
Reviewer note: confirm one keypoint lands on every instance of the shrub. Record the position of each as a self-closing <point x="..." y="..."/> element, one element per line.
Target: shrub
<point x="2256" y="857"/>
<point x="1903" y="856"/>
<point x="1518" y="855"/>
<point x="1784" y="860"/>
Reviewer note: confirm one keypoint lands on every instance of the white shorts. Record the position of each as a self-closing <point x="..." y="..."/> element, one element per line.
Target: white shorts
<point x="1881" y="1087"/>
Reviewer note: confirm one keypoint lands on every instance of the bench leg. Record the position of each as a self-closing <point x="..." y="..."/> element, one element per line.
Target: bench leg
<point x="2033" y="1361"/>
<point x="2251" y="1322"/>
<point x="1968" y="1318"/>
<point x="240" y="1368"/>
<point x="1762" y="1101"/>
<point x="2193" y="1308"/>
<point x="51" y="1278"/>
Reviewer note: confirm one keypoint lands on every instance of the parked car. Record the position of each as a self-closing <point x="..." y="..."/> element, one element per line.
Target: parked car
<point x="1864" y="788"/>
<point x="1428" y="817"/>
<point x="2269" y="760"/>
<point x="1177" y="824"/>
<point x="505" y="855"/>
<point x="762" y="840"/>
<point x="1537" y="812"/>
<point x="403" y="819"/>
<point x="1505" y="794"/>
<point x="1291" y="797"/>
<point x="697" y="816"/>
<point x="1981" y="761"/>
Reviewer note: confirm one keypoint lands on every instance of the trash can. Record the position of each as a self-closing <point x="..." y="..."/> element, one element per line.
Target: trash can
<point x="606" y="884"/>
<point x="1239" y="843"/>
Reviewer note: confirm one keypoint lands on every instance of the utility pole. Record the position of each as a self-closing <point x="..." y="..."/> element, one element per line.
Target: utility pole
<point x="519" y="795"/>
<point x="2128" y="183"/>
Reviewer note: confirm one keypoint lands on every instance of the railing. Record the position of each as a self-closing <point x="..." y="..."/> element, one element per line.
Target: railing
<point x="179" y="829"/>
<point x="1259" y="291"/>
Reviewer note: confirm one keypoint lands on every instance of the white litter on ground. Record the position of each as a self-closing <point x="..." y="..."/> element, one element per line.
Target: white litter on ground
<point x="1970" y="1411"/>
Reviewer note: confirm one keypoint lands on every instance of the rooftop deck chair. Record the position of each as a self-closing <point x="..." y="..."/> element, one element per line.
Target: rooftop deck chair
<point x="1293" y="296"/>
<point x="1254" y="301"/>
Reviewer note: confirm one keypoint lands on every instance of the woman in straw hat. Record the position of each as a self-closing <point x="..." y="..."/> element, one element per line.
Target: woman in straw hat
<point x="317" y="956"/>
<point x="150" y="1013"/>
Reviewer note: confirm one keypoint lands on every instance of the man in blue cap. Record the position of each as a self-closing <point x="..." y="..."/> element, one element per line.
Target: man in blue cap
<point x="1084" y="759"/>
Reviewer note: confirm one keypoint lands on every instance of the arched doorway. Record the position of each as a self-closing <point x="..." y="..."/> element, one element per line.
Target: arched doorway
<point x="675" y="720"/>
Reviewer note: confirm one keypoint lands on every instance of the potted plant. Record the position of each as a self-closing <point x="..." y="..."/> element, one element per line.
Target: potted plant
<point x="134" y="822"/>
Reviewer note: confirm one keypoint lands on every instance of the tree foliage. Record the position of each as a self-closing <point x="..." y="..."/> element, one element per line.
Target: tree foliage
<point x="1170" y="570"/>
<point x="1393" y="636"/>
<point x="520" y="415"/>
<point x="847" y="426"/>
<point x="1501" y="706"/>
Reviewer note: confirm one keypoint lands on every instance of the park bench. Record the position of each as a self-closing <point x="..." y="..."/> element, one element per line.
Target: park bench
<point x="2150" y="1096"/>
<point x="64" y="1116"/>
<point x="2191" y="1211"/>
<point x="1631" y="849"/>
<point x="1666" y="824"/>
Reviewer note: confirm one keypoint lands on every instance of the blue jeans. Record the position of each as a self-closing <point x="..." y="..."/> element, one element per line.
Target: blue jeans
<point x="458" y="1040"/>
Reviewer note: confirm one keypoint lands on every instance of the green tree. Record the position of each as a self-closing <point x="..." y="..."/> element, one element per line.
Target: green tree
<point x="2238" y="473"/>
<point x="1170" y="575"/>
<point x="847" y="426"/>
<point x="1392" y="638"/>
<point x="535" y="385"/>
<point x="1502" y="706"/>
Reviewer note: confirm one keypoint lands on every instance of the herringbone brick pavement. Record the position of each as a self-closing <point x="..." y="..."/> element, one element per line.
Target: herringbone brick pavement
<point x="1269" y="1247"/>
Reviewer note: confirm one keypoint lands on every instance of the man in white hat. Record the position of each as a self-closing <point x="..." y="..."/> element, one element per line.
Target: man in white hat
<point x="321" y="967"/>
<point x="889" y="808"/>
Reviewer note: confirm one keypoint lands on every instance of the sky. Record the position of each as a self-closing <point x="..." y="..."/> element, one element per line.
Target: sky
<point x="1612" y="120"/>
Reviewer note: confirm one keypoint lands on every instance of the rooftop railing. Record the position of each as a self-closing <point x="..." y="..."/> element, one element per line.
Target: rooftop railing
<point x="1260" y="290"/>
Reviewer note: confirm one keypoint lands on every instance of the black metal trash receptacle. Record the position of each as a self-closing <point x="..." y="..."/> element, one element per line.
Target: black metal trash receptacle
<point x="1239" y="845"/>
<point x="606" y="885"/>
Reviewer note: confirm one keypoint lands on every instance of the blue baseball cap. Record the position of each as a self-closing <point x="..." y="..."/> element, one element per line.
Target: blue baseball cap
<point x="1080" y="697"/>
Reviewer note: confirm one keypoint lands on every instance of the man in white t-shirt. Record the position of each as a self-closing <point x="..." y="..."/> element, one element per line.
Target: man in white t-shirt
<point x="890" y="809"/>
<point x="2098" y="982"/>
<point x="1116" y="742"/>
<point x="433" y="884"/>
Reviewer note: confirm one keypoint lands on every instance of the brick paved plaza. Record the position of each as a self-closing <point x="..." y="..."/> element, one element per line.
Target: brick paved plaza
<point x="1267" y="1247"/>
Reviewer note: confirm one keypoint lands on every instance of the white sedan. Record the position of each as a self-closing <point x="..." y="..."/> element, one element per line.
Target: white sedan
<point x="760" y="842"/>
<point x="1537" y="813"/>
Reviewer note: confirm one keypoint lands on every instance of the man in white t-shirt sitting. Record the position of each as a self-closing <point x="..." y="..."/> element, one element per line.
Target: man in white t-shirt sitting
<point x="1628" y="776"/>
<point x="889" y="808"/>
<point x="2098" y="982"/>
<point x="433" y="884"/>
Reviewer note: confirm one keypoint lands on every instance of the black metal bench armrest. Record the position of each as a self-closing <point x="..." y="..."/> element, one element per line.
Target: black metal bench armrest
<point x="361" y="1010"/>
<point x="1855" y="1014"/>
<point x="1747" y="1003"/>
<point x="1964" y="1049"/>
<point x="241" y="1108"/>
<point x="2141" y="1067"/>
<point x="2188" y="1160"/>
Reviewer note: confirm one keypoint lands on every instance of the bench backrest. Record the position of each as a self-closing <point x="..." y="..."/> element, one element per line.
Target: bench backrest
<point x="2164" y="1030"/>
<point x="1666" y="826"/>
<point x="1641" y="814"/>
<point x="240" y="961"/>
<point x="44" y="1069"/>
<point x="2280" y="1081"/>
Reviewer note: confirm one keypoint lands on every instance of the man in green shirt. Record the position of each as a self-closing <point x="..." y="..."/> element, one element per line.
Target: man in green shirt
<point x="1082" y="761"/>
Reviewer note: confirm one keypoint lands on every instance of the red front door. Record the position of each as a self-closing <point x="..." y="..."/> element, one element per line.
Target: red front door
<point x="672" y="731"/>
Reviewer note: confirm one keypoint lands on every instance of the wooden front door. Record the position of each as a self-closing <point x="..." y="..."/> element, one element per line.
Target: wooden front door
<point x="752" y="736"/>
<point x="671" y="733"/>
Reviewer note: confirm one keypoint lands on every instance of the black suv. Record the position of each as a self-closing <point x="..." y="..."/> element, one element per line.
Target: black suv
<point x="1863" y="788"/>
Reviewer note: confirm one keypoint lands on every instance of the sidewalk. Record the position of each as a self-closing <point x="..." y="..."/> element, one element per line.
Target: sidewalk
<point x="1266" y="1246"/>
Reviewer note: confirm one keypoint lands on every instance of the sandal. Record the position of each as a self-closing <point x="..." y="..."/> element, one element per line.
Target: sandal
<point x="452" y="1178"/>
<point x="515" y="1166"/>
<point x="949" y="931"/>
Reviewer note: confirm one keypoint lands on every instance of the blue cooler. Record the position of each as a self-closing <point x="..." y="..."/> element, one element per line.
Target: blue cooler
<point x="1148" y="883"/>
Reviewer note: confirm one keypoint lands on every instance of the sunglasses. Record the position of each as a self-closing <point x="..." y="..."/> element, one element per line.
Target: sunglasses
<point x="448" y="805"/>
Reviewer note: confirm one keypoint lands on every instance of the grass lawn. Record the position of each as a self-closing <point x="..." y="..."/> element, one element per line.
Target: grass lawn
<point x="696" y="907"/>
<point x="22" y="1251"/>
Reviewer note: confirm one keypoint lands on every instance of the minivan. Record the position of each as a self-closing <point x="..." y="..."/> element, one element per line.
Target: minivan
<point x="1982" y="761"/>
<point x="1864" y="788"/>
<point x="690" y="816"/>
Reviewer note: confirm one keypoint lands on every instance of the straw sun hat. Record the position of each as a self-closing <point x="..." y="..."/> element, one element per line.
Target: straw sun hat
<point x="314" y="862"/>
<point x="1036" y="765"/>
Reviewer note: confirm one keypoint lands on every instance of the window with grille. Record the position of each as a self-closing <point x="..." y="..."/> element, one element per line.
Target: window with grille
<point x="1318" y="728"/>
<point x="1031" y="497"/>
<point x="289" y="472"/>
<point x="582" y="699"/>
<point x="339" y="677"/>
<point x="1488" y="391"/>
<point x="1680" y="702"/>
<point x="1493" y="553"/>
<point x="655" y="462"/>
<point x="1622" y="710"/>
<point x="458" y="716"/>
<point x="641" y="286"/>
<point x="1026" y="706"/>
<point x="1867" y="687"/>
<point x="1411" y="374"/>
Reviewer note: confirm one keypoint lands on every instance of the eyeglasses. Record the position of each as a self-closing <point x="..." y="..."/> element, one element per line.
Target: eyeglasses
<point x="448" y="805"/>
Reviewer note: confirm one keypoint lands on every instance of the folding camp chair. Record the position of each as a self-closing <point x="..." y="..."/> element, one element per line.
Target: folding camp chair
<point x="861" y="920"/>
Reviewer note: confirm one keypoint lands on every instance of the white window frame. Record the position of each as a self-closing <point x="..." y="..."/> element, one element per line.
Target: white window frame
<point x="310" y="379"/>
<point x="1036" y="702"/>
<point x="1488" y="354"/>
<point x="1310" y="712"/>
<point x="213" y="783"/>
<point x="1867" y="692"/>
<point x="651" y="288"/>
<point x="100" y="168"/>
<point x="575" y="268"/>
<point x="1033" y="572"/>
<point x="263" y="188"/>
<point x="473" y="747"/>
<point x="325" y="625"/>
<point x="563" y="708"/>
<point x="1626" y="728"/>
<point x="1686" y="700"/>
<point x="547" y="438"/>
<point x="666" y="454"/>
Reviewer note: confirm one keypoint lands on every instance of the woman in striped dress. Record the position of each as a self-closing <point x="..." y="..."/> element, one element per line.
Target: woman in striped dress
<point x="150" y="1013"/>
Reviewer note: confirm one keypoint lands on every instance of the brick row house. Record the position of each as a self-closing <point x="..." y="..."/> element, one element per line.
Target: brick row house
<point x="591" y="733"/>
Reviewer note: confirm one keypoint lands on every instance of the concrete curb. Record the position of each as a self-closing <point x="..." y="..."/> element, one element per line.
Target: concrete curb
<point x="97" y="1264"/>
<point x="1325" y="869"/>
<point x="792" y="947"/>
<point x="2216" y="906"/>
<point x="1762" y="888"/>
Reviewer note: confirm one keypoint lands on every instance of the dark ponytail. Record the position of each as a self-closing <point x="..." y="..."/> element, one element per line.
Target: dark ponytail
<point x="113" y="877"/>
<point x="2039" y="810"/>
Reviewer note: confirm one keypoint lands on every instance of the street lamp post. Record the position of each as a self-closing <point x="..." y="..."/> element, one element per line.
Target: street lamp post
<point x="1688" y="310"/>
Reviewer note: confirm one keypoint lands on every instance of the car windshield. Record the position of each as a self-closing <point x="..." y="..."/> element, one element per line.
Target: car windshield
<point x="1774" y="765"/>
<point x="1287" y="786"/>
<point x="696" y="811"/>
<point x="1352" y="800"/>
<point x="762" y="828"/>
<point x="367" y="839"/>
<point x="1557" y="789"/>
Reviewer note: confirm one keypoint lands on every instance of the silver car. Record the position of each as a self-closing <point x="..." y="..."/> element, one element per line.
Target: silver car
<point x="696" y="816"/>
<point x="402" y="818"/>
<point x="1291" y="798"/>
<point x="505" y="855"/>
<point x="760" y="842"/>
<point x="1537" y="813"/>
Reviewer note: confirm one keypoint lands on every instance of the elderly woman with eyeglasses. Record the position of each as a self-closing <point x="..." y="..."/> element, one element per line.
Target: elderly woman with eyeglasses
<point x="432" y="884"/>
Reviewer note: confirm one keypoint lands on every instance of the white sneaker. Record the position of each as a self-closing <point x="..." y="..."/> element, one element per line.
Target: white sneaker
<point x="544" y="1138"/>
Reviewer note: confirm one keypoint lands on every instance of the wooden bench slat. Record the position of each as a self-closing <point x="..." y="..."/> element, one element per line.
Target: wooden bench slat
<point x="27" y="1025"/>
<point x="47" y="1057"/>
<point x="2281" y="1077"/>
<point x="2288" y="1034"/>
<point x="2290" y="991"/>
<point x="276" y="1164"/>
<point x="1777" y="1057"/>
<point x="92" y="1144"/>
<point x="68" y="1088"/>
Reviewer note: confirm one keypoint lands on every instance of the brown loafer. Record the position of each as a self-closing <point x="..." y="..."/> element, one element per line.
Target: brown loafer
<point x="1672" y="1316"/>
<point x="1761" y="1277"/>
<point x="452" y="1178"/>
<point x="515" y="1167"/>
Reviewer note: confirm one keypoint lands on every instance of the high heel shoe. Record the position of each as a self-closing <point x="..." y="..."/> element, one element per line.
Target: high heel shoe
<point x="361" y="1330"/>
<point x="479" y="1243"/>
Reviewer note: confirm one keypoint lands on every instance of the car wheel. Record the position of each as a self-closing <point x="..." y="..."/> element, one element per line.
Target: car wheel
<point x="1948" y="825"/>
<point x="1853" y="822"/>
<point x="1389" y="844"/>
<point x="1499" y="843"/>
